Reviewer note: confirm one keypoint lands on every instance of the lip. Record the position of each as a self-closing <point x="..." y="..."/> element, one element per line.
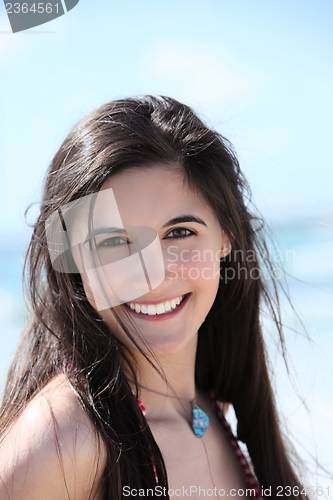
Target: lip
<point x="158" y="317"/>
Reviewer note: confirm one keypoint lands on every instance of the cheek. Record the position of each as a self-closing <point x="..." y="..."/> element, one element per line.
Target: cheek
<point x="88" y="291"/>
<point x="106" y="314"/>
<point x="205" y="274"/>
<point x="111" y="286"/>
<point x="200" y="266"/>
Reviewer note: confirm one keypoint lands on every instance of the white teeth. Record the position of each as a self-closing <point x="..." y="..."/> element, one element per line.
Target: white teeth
<point x="152" y="310"/>
<point x="167" y="306"/>
<point x="160" y="309"/>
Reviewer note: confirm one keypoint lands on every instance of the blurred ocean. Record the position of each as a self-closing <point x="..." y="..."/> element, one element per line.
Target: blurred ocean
<point x="305" y="395"/>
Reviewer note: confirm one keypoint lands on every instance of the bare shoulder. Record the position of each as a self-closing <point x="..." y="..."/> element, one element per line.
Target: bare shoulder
<point x="52" y="449"/>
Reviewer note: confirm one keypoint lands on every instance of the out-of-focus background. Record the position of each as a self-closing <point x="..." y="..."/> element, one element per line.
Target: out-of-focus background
<point x="261" y="73"/>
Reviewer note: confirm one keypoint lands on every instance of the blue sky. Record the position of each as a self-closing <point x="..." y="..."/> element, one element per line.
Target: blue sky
<point x="261" y="72"/>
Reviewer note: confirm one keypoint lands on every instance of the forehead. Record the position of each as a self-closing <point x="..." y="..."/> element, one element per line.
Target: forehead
<point x="149" y="195"/>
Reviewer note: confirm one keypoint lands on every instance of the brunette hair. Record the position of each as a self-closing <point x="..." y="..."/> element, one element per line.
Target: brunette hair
<point x="65" y="332"/>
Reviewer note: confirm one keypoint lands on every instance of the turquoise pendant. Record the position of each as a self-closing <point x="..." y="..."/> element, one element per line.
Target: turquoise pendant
<point x="200" y="421"/>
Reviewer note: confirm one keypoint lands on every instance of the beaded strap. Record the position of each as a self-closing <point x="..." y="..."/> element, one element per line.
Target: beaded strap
<point x="144" y="411"/>
<point x="250" y="478"/>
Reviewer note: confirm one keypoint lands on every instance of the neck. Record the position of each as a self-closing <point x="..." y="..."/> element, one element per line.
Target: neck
<point x="177" y="381"/>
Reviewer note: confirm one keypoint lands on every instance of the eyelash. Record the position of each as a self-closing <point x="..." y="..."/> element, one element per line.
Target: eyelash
<point x="104" y="244"/>
<point x="191" y="233"/>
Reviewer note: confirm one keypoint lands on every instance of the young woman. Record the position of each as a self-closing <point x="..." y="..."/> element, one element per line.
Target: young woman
<point x="145" y="272"/>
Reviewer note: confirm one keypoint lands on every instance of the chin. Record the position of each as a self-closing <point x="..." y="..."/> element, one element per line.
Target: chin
<point x="169" y="344"/>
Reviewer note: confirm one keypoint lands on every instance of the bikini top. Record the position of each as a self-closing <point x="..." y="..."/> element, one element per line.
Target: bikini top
<point x="250" y="479"/>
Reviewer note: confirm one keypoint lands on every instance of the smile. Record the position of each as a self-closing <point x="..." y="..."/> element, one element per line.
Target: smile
<point x="156" y="309"/>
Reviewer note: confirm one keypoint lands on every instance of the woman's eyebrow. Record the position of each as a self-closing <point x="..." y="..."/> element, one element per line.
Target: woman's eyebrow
<point x="184" y="218"/>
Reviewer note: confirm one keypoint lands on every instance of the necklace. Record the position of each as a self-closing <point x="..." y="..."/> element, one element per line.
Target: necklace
<point x="199" y="419"/>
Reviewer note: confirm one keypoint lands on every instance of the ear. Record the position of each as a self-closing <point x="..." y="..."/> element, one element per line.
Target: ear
<point x="225" y="246"/>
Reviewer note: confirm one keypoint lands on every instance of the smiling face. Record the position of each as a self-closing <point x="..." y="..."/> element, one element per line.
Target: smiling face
<point x="155" y="200"/>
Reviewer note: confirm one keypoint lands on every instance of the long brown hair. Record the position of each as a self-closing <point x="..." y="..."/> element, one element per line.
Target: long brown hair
<point x="65" y="332"/>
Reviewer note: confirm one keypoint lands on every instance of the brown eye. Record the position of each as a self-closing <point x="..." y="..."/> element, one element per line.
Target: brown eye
<point x="179" y="233"/>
